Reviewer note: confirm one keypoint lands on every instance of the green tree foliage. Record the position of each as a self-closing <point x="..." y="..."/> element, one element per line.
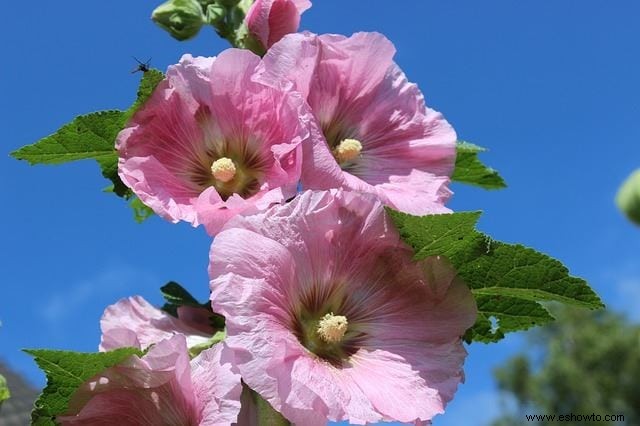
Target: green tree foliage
<point x="590" y="364"/>
<point x="4" y="389"/>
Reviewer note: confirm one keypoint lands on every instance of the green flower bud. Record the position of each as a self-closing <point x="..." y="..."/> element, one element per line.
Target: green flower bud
<point x="215" y="13"/>
<point x="180" y="18"/>
<point x="628" y="198"/>
<point x="206" y="3"/>
<point x="229" y="3"/>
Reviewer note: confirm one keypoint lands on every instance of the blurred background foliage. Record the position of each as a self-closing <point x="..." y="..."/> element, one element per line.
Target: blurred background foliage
<point x="586" y="362"/>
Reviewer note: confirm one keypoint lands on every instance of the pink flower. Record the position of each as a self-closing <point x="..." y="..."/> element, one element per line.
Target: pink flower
<point x="270" y="20"/>
<point x="211" y="143"/>
<point x="328" y="318"/>
<point x="134" y="322"/>
<point x="378" y="135"/>
<point x="160" y="388"/>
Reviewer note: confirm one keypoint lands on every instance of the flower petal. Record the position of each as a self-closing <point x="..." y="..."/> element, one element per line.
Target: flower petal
<point x="217" y="387"/>
<point x="134" y="322"/>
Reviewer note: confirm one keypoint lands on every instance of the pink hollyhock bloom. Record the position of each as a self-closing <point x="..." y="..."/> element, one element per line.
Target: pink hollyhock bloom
<point x="134" y="322"/>
<point x="160" y="388"/>
<point x="270" y="20"/>
<point x="328" y="318"/>
<point x="211" y="143"/>
<point x="379" y="137"/>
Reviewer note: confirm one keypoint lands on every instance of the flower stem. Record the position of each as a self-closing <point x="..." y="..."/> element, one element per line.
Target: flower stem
<point x="259" y="412"/>
<point x="268" y="416"/>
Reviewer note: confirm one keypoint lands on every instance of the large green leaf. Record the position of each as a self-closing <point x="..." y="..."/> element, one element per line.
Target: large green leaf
<point x="93" y="136"/>
<point x="508" y="281"/>
<point x="469" y="169"/>
<point x="452" y="236"/>
<point x="88" y="136"/>
<point x="65" y="372"/>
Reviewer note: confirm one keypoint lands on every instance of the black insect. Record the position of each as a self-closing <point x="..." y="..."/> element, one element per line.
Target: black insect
<point x="142" y="66"/>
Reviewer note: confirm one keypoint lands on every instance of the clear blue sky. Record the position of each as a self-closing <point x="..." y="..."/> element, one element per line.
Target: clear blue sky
<point x="551" y="87"/>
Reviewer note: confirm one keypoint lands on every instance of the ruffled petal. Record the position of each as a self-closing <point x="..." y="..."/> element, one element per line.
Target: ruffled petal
<point x="134" y="322"/>
<point x="217" y="387"/>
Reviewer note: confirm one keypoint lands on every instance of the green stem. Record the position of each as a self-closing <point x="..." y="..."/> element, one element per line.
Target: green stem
<point x="259" y="411"/>
<point x="267" y="416"/>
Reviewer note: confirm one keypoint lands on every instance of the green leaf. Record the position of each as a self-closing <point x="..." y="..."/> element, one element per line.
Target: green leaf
<point x="87" y="136"/>
<point x="90" y="136"/>
<point x="469" y="169"/>
<point x="177" y="296"/>
<point x="149" y="82"/>
<point x="261" y="413"/>
<point x="65" y="372"/>
<point x="4" y="390"/>
<point x="218" y="337"/>
<point x="109" y="166"/>
<point x="93" y="136"/>
<point x="452" y="236"/>
<point x="521" y="272"/>
<point x="140" y="211"/>
<point x="507" y="280"/>
<point x="508" y="314"/>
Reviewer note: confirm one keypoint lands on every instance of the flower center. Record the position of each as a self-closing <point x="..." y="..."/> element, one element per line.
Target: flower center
<point x="347" y="150"/>
<point x="332" y="328"/>
<point x="223" y="169"/>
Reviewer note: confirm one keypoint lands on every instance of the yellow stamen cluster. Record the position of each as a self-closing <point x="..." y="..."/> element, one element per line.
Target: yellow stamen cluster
<point x="223" y="169"/>
<point x="347" y="150"/>
<point x="332" y="328"/>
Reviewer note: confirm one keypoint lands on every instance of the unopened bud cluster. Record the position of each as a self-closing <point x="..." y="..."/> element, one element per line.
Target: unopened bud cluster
<point x="183" y="19"/>
<point x="180" y="18"/>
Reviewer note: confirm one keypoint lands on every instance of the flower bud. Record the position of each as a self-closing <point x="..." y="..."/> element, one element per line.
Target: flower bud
<point x="215" y="13"/>
<point x="180" y="18"/>
<point x="229" y="3"/>
<point x="628" y="198"/>
<point x="270" y="20"/>
<point x="206" y="3"/>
